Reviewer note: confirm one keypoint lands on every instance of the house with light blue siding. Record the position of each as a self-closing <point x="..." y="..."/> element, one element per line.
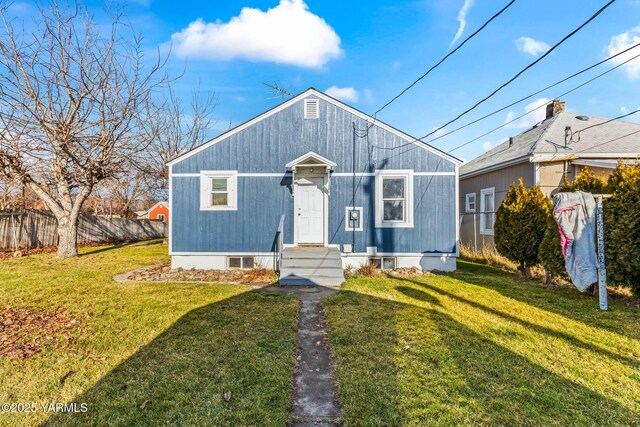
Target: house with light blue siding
<point x="310" y="187"/>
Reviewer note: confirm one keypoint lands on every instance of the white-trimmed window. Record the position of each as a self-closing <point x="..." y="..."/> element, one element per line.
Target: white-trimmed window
<point x="384" y="263"/>
<point x="394" y="198"/>
<point x="487" y="210"/>
<point x="218" y="190"/>
<point x="240" y="262"/>
<point x="353" y="219"/>
<point x="470" y="203"/>
<point x="160" y="217"/>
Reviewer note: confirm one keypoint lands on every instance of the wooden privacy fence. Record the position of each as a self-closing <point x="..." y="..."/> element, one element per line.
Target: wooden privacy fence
<point x="29" y="229"/>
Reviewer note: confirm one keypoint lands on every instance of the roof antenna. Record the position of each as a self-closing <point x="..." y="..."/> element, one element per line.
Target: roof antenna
<point x="278" y="91"/>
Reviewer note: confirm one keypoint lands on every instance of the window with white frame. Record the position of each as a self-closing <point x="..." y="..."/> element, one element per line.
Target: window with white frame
<point x="160" y="217"/>
<point x="218" y="190"/>
<point x="237" y="262"/>
<point x="470" y="205"/>
<point x="394" y="198"/>
<point x="487" y="210"/>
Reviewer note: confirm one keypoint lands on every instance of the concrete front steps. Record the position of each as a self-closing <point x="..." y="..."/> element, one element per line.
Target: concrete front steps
<point x="311" y="266"/>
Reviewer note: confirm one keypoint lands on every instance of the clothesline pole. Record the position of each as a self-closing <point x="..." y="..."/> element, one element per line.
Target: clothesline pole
<point x="602" y="270"/>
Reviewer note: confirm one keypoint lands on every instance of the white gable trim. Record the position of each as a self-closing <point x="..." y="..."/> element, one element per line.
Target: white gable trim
<point x="328" y="99"/>
<point x="148" y="211"/>
<point x="323" y="160"/>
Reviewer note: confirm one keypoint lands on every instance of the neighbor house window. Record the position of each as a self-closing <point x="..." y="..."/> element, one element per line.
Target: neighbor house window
<point x="487" y="210"/>
<point x="244" y="262"/>
<point x="218" y="190"/>
<point x="470" y="203"/>
<point x="160" y="217"/>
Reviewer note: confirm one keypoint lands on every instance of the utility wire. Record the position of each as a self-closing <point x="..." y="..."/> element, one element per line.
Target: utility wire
<point x="446" y="56"/>
<point x="533" y="94"/>
<point x="579" y="132"/>
<point x="508" y="82"/>
<point x="531" y="111"/>
<point x="606" y="142"/>
<point x="542" y="106"/>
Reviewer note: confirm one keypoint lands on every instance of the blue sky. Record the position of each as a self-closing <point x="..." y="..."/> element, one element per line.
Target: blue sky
<point x="370" y="50"/>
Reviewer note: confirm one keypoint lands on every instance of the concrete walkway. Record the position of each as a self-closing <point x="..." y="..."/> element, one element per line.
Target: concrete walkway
<point x="314" y="400"/>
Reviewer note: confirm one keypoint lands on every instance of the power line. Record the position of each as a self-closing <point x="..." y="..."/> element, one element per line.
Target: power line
<point x="446" y="56"/>
<point x="530" y="111"/>
<point x="533" y="94"/>
<point x="607" y="142"/>
<point x="579" y="132"/>
<point x="543" y="106"/>
<point x="508" y="82"/>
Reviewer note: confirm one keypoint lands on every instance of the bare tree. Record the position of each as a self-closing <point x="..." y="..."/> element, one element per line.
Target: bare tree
<point x="172" y="129"/>
<point x="72" y="96"/>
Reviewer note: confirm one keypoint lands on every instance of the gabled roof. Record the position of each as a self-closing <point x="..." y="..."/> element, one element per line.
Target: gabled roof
<point x="546" y="142"/>
<point x="311" y="159"/>
<point x="329" y="99"/>
<point x="155" y="206"/>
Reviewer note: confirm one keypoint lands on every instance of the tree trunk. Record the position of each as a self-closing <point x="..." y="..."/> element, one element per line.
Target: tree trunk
<point x="67" y="238"/>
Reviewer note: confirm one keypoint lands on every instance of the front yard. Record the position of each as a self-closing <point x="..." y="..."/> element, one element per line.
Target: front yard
<point x="476" y="347"/>
<point x="179" y="347"/>
<point x="482" y="347"/>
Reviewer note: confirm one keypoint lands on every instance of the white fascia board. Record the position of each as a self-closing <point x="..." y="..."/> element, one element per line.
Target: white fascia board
<point x="523" y="159"/>
<point x="323" y="160"/>
<point x="328" y="99"/>
<point x="573" y="156"/>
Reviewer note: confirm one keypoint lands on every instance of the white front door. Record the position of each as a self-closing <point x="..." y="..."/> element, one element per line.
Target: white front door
<point x="310" y="215"/>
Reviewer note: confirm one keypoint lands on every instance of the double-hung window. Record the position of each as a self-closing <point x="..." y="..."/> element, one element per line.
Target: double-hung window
<point x="470" y="205"/>
<point x="394" y="198"/>
<point x="218" y="190"/>
<point x="487" y="210"/>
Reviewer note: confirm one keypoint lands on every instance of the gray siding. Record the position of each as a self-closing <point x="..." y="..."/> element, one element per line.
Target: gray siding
<point x="500" y="179"/>
<point x="268" y="145"/>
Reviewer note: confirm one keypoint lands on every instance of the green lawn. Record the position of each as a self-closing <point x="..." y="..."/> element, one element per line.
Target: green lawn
<point x="178" y="346"/>
<point x="476" y="347"/>
<point x="482" y="347"/>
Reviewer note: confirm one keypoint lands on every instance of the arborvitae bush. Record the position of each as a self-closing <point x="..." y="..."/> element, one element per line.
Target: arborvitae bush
<point x="550" y="252"/>
<point x="622" y="227"/>
<point x="520" y="224"/>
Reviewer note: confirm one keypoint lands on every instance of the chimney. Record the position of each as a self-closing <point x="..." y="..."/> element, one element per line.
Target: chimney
<point x="554" y="108"/>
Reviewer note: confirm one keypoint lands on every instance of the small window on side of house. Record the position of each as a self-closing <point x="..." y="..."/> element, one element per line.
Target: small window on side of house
<point x="376" y="261"/>
<point x="470" y="205"/>
<point x="160" y="217"/>
<point x="237" y="262"/>
<point x="388" y="263"/>
<point x="218" y="190"/>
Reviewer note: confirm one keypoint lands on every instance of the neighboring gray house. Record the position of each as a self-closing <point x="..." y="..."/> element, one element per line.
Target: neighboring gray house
<point x="542" y="155"/>
<point x="332" y="185"/>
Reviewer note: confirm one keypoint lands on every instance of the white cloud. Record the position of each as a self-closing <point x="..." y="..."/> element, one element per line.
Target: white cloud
<point x="287" y="34"/>
<point x="488" y="145"/>
<point x="529" y="120"/>
<point x="532" y="46"/>
<point x="343" y="93"/>
<point x="462" y="19"/>
<point x="621" y="42"/>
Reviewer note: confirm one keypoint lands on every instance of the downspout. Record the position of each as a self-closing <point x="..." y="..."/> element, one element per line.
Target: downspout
<point x="353" y="191"/>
